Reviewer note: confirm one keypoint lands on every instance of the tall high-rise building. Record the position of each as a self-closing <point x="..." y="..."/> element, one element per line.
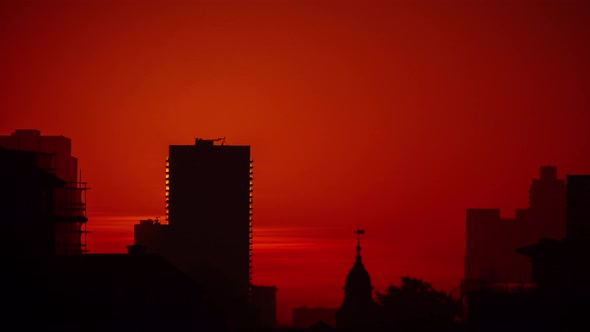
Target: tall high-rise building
<point x="209" y="218"/>
<point x="209" y="203"/>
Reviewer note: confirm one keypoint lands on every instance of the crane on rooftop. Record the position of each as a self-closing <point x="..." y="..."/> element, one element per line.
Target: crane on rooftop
<point x="222" y="139"/>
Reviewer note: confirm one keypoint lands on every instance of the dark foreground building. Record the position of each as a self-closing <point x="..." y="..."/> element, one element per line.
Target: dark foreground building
<point x="49" y="284"/>
<point x="101" y="292"/>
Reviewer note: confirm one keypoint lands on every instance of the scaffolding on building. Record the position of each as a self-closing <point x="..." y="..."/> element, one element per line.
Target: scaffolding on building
<point x="67" y="209"/>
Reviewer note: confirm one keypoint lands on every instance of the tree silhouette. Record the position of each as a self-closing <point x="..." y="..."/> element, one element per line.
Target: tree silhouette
<point x="416" y="301"/>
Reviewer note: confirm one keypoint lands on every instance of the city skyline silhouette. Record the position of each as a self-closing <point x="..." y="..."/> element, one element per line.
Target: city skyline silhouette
<point x="212" y="175"/>
<point x="394" y="116"/>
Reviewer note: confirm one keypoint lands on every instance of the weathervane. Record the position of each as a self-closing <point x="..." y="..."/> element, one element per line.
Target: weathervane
<point x="358" y="233"/>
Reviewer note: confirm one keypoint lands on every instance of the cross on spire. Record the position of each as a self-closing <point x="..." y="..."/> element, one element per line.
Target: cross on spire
<point x="358" y="233"/>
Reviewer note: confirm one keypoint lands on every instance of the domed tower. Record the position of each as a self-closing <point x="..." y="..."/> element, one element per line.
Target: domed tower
<point x="358" y="309"/>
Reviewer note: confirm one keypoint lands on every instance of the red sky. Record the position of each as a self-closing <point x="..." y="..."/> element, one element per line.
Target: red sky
<point x="395" y="116"/>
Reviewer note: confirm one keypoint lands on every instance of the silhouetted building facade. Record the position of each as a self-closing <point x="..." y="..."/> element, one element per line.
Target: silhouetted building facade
<point x="64" y="165"/>
<point x="264" y="305"/>
<point x="152" y="234"/>
<point x="557" y="296"/>
<point x="578" y="209"/>
<point x="209" y="220"/>
<point x="561" y="268"/>
<point x="42" y="201"/>
<point x="358" y="310"/>
<point x="304" y="317"/>
<point x="491" y="241"/>
<point x="497" y="287"/>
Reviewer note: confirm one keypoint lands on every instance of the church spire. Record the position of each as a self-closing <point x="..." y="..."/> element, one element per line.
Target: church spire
<point x="358" y="310"/>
